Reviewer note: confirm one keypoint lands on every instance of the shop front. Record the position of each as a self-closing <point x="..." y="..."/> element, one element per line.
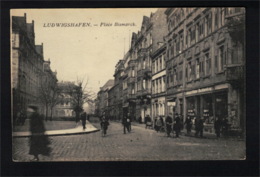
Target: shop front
<point x="207" y="105"/>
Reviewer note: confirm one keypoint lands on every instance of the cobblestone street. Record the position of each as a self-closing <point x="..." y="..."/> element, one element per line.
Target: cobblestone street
<point x="141" y="145"/>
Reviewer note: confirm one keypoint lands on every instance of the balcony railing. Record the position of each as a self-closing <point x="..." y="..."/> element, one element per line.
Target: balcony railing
<point x="234" y="73"/>
<point x="130" y="79"/>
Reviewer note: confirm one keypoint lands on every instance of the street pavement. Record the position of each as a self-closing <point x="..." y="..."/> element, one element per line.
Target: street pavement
<point x="139" y="145"/>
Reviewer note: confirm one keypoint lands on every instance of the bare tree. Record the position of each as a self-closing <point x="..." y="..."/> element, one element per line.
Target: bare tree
<point x="48" y="95"/>
<point x="80" y="94"/>
<point x="54" y="98"/>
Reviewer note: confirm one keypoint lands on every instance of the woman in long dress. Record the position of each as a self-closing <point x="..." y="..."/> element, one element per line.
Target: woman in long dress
<point x="38" y="141"/>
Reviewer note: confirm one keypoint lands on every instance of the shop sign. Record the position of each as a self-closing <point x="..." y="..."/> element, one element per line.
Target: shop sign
<point x="208" y="89"/>
<point x="171" y="103"/>
<point x="192" y="92"/>
<point x="222" y="86"/>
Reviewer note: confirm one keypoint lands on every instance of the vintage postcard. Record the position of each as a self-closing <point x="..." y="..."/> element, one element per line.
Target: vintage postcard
<point x="128" y="84"/>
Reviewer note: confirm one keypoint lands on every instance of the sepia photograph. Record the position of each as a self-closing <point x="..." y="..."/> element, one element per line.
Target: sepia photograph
<point x="128" y="84"/>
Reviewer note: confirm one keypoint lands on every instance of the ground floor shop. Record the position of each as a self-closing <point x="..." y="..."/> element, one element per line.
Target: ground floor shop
<point x="209" y="103"/>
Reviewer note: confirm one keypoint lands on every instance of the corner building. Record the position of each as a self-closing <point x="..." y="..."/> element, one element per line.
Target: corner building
<point x="205" y="65"/>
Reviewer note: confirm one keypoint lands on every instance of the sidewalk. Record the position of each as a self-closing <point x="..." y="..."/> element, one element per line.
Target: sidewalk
<point x="77" y="130"/>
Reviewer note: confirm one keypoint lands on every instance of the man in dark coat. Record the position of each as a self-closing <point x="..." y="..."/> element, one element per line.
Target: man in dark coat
<point x="177" y="125"/>
<point x="217" y="127"/>
<point x="38" y="141"/>
<point x="83" y="119"/>
<point x="188" y="123"/>
<point x="168" y="122"/>
<point x="199" y="127"/>
<point x="125" y="123"/>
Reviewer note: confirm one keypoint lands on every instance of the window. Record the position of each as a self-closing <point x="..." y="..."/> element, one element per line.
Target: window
<point x="216" y="19"/>
<point x="197" y="32"/>
<point x="133" y="72"/>
<point x="144" y="63"/>
<point x="197" y="69"/>
<point x="222" y="16"/>
<point x="144" y="84"/>
<point x="174" y="77"/>
<point x="181" y="43"/>
<point x="208" y="64"/>
<point x="221" y="58"/>
<point x="201" y="68"/>
<point x="163" y="83"/>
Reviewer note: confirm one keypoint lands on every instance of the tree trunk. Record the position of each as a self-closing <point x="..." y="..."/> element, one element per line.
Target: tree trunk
<point x="51" y="114"/>
<point x="46" y="112"/>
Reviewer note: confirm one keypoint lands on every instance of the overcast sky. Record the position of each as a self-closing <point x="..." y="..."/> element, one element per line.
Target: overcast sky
<point x="84" y="51"/>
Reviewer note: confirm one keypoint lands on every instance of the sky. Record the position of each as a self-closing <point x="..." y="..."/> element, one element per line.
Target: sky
<point x="89" y="52"/>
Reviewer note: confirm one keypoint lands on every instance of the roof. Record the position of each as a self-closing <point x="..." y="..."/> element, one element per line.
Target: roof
<point x="108" y="84"/>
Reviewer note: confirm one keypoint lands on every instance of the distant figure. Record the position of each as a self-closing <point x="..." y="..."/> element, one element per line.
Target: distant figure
<point x="188" y="123"/>
<point x="168" y="122"/>
<point x="129" y="120"/>
<point x="199" y="127"/>
<point x="225" y="127"/>
<point x="159" y="123"/>
<point x="148" y="121"/>
<point x="83" y="120"/>
<point x="217" y="126"/>
<point x="177" y="125"/>
<point x="140" y="119"/>
<point x="38" y="141"/>
<point x="104" y="124"/>
<point x="125" y="124"/>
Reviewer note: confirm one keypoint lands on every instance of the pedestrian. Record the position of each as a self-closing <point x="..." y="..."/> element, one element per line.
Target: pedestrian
<point x="199" y="127"/>
<point x="217" y="126"/>
<point x="177" y="125"/>
<point x="83" y="120"/>
<point x="225" y="127"/>
<point x="188" y="124"/>
<point x="159" y="123"/>
<point x="168" y="122"/>
<point x="125" y="124"/>
<point x="38" y="141"/>
<point x="129" y="120"/>
<point x="140" y="119"/>
<point x="148" y="121"/>
<point x="104" y="124"/>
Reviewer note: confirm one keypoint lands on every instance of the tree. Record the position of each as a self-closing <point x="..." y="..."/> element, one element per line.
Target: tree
<point x="48" y="95"/>
<point x="80" y="95"/>
<point x="54" y="98"/>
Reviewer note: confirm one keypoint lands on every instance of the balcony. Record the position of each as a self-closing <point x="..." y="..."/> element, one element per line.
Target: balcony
<point x="234" y="73"/>
<point x="145" y="73"/>
<point x="131" y="97"/>
<point x="130" y="80"/>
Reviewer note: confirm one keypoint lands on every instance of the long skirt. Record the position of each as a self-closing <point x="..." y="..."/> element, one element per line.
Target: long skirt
<point x="39" y="145"/>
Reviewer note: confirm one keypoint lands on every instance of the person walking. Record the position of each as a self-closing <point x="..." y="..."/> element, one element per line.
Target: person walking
<point x="168" y="122"/>
<point x="148" y="121"/>
<point x="104" y="125"/>
<point x="177" y="125"/>
<point x="188" y="124"/>
<point x="159" y="124"/>
<point x="217" y="127"/>
<point x="83" y="120"/>
<point x="199" y="127"/>
<point x="38" y="141"/>
<point x="225" y="127"/>
<point x="125" y="124"/>
<point x="129" y="120"/>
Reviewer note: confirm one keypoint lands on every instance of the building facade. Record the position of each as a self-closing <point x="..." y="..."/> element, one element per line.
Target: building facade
<point x="158" y="82"/>
<point x="27" y="66"/>
<point x="201" y="55"/>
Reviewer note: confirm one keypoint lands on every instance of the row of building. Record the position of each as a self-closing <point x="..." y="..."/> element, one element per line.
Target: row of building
<point x="189" y="61"/>
<point x="33" y="81"/>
